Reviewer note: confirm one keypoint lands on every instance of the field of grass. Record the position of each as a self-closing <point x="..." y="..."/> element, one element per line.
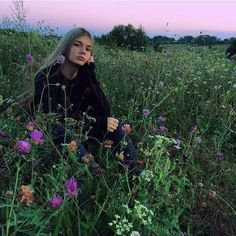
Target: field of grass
<point x="180" y="104"/>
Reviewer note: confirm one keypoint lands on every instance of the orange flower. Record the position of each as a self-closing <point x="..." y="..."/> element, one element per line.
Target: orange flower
<point x="108" y="143"/>
<point x="26" y="193"/>
<point x="72" y="146"/>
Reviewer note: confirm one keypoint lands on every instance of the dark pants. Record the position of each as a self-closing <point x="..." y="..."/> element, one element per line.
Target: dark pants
<point x="121" y="142"/>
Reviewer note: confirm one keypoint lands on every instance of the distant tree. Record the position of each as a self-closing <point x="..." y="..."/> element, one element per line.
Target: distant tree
<point x="186" y="40"/>
<point x="126" y="37"/>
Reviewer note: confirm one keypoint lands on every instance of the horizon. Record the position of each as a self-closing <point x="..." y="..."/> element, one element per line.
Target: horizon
<point x="171" y="19"/>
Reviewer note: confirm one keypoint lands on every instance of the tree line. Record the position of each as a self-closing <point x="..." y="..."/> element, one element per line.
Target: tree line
<point x="129" y="37"/>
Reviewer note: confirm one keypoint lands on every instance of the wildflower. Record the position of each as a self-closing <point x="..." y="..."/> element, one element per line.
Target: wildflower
<point x="163" y="129"/>
<point x="126" y="128"/>
<point x="60" y="59"/>
<point x="135" y="233"/>
<point x="161" y="84"/>
<point x="29" y="59"/>
<point x="162" y="118"/>
<point x="194" y="128"/>
<point x="37" y="137"/>
<point x="26" y="193"/>
<point x="108" y="143"/>
<point x="30" y="126"/>
<point x="198" y="140"/>
<point x="220" y="154"/>
<point x="56" y="201"/>
<point x="120" y="156"/>
<point x="97" y="169"/>
<point x="177" y="143"/>
<point x="87" y="158"/>
<point x="9" y="194"/>
<point x="126" y="167"/>
<point x="23" y="146"/>
<point x="72" y="146"/>
<point x="146" y="112"/>
<point x="2" y="133"/>
<point x="72" y="187"/>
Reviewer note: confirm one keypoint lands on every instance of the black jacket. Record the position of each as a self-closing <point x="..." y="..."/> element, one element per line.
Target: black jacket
<point x="83" y="94"/>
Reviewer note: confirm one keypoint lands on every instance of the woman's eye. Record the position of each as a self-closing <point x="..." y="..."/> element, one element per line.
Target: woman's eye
<point x="89" y="49"/>
<point x="76" y="44"/>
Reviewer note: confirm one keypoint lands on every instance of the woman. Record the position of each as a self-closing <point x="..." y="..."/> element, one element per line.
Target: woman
<point x="66" y="85"/>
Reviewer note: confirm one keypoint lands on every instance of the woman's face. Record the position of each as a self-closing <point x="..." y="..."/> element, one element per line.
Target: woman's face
<point x="81" y="50"/>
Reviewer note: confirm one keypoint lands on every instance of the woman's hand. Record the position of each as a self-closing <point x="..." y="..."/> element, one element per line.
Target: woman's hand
<point x="112" y="124"/>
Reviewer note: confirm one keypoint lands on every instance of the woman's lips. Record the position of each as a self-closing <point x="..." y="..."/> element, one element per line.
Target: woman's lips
<point x="81" y="58"/>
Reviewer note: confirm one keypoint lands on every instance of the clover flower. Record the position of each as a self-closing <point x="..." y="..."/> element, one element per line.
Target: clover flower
<point x="23" y="146"/>
<point x="126" y="128"/>
<point x="30" y="126"/>
<point x="194" y="128"/>
<point x="163" y="129"/>
<point x="55" y="201"/>
<point x="2" y="133"/>
<point x="135" y="233"/>
<point x="72" y="188"/>
<point x="162" y="118"/>
<point x="26" y="193"/>
<point x="72" y="146"/>
<point x="29" y="59"/>
<point x="37" y="137"/>
<point x="108" y="143"/>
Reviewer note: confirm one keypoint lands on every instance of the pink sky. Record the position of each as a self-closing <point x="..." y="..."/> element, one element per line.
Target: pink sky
<point x="99" y="16"/>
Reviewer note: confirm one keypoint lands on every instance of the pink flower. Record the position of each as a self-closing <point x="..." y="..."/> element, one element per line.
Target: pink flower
<point x="23" y="146"/>
<point x="163" y="129"/>
<point x="2" y="133"/>
<point x="72" y="188"/>
<point x="37" y="137"/>
<point x="56" y="201"/>
<point x="30" y="126"/>
<point x="126" y="128"/>
<point x="162" y="118"/>
<point x="29" y="59"/>
<point x="194" y="128"/>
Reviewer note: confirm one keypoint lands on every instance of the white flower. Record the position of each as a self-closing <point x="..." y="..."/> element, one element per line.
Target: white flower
<point x="135" y="233"/>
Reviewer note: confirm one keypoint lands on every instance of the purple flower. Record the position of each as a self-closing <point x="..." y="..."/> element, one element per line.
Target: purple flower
<point x="29" y="59"/>
<point x="23" y="146"/>
<point x="220" y="154"/>
<point x="2" y="133"/>
<point x="56" y="201"/>
<point x="163" y="129"/>
<point x="37" y="137"/>
<point x="177" y="142"/>
<point x="194" y="128"/>
<point x="72" y="187"/>
<point x="146" y="112"/>
<point x="162" y="118"/>
<point x="60" y="59"/>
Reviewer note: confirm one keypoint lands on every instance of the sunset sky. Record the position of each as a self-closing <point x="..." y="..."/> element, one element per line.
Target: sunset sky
<point x="158" y="17"/>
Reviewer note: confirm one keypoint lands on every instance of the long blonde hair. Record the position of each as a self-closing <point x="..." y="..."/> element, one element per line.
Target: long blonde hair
<point x="64" y="44"/>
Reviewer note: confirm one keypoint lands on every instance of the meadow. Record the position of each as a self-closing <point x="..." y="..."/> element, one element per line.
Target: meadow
<point x="180" y="104"/>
